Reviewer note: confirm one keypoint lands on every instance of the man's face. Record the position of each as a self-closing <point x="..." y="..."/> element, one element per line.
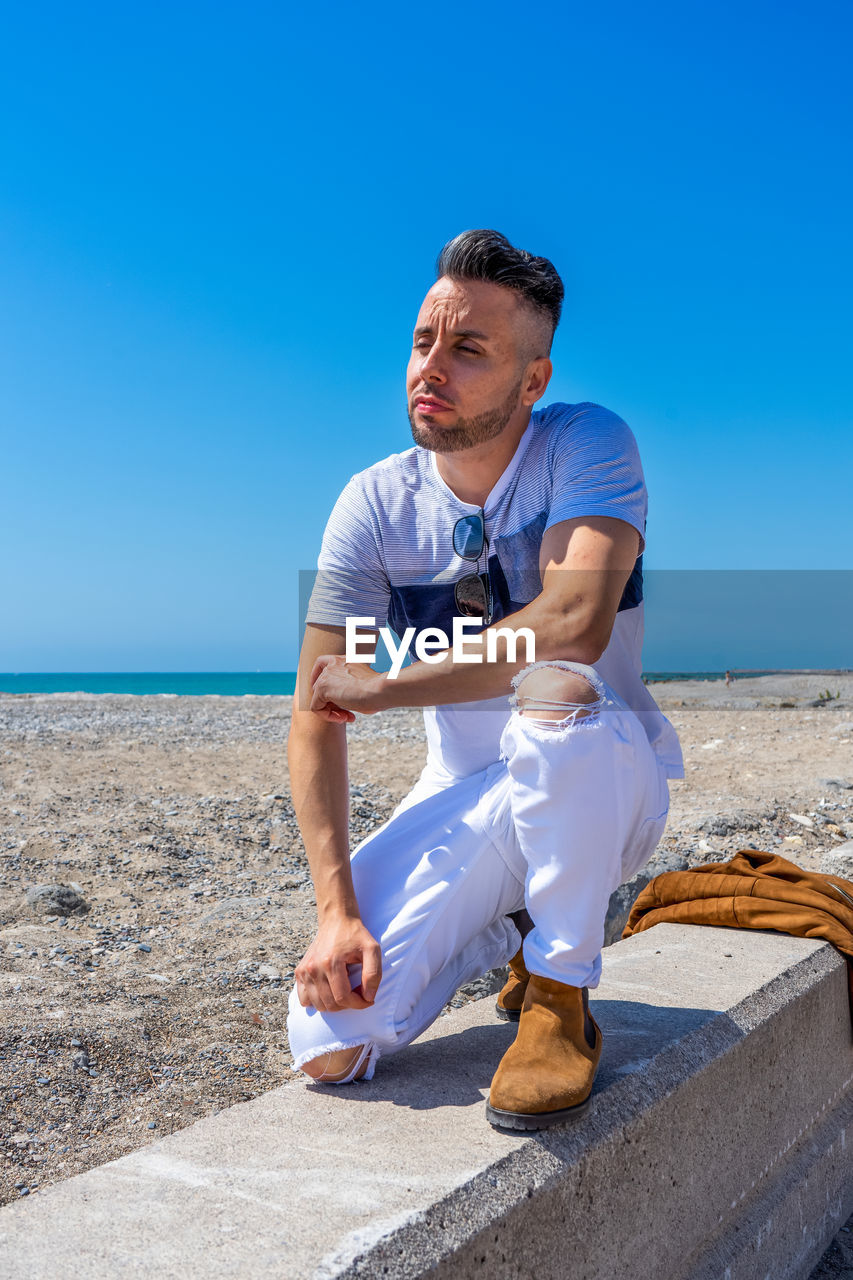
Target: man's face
<point x="466" y="380"/>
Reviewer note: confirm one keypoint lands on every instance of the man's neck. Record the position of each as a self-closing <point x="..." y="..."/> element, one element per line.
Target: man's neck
<point x="472" y="473"/>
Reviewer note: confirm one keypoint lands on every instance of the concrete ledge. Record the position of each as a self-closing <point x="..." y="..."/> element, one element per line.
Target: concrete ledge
<point x="717" y="1148"/>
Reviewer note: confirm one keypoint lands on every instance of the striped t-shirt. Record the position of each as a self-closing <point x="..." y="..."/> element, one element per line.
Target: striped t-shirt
<point x="388" y="553"/>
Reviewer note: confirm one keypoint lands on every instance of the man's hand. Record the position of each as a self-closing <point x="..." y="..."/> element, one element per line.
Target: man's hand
<point x="322" y="977"/>
<point x="340" y="688"/>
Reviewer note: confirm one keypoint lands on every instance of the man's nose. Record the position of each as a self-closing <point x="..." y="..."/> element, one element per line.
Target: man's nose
<point x="432" y="364"/>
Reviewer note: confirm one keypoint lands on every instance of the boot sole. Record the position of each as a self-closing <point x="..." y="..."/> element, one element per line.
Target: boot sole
<point x="544" y="1120"/>
<point x="507" y="1015"/>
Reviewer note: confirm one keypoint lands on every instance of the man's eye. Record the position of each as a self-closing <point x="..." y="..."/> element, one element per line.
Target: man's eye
<point x="472" y="350"/>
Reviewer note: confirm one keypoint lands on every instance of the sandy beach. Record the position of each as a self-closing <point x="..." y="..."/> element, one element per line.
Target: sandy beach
<point x="170" y="818"/>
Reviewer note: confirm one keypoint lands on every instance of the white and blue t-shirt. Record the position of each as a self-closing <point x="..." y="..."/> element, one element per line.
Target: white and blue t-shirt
<point x="388" y="553"/>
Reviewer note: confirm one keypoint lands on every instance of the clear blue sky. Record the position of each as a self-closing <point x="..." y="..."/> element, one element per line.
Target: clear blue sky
<point x="217" y="223"/>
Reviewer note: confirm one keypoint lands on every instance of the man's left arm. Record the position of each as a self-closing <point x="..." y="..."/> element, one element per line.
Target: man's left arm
<point x="584" y="564"/>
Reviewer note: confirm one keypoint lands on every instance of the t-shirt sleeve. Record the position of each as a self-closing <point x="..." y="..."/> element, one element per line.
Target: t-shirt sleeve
<point x="595" y="468"/>
<point x="351" y="579"/>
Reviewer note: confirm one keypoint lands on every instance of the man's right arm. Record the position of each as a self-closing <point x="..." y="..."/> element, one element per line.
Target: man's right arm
<point x="317" y="758"/>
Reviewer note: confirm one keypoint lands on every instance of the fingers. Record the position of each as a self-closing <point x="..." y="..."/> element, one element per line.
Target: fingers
<point x="326" y="709"/>
<point x="327" y="989"/>
<point x="343" y="994"/>
<point x="325" y="660"/>
<point x="323" y="975"/>
<point x="335" y="715"/>
<point x="319" y="666"/>
<point x="371" y="972"/>
<point x="329" y="711"/>
<point x="322" y="705"/>
<point x="315" y="993"/>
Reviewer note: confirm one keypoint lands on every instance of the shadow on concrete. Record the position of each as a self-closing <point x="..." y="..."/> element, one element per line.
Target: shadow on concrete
<point x="634" y="1033"/>
<point x="454" y="1070"/>
<point x="447" y="1071"/>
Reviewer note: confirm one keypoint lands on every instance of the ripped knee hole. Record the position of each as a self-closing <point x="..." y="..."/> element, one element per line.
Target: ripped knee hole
<point x="338" y="1066"/>
<point x="556" y="714"/>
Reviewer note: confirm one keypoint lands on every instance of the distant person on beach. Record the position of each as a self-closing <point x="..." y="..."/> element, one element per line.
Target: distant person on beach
<point x="728" y="678"/>
<point x="545" y="782"/>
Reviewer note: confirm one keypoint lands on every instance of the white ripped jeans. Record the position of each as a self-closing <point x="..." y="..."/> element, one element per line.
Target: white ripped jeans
<point x="572" y="808"/>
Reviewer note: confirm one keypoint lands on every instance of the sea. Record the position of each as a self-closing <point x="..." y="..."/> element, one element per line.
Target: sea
<point x="228" y="684"/>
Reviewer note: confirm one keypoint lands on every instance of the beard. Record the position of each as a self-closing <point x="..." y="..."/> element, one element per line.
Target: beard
<point x="468" y="431"/>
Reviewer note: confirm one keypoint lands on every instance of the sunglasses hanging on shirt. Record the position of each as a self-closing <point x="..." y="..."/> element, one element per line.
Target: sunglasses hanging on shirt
<point x="473" y="593"/>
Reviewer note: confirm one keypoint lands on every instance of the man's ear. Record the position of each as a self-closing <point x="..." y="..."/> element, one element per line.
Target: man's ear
<point x="537" y="375"/>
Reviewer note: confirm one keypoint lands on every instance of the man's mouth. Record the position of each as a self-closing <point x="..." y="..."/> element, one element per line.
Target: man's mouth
<point x="430" y="404"/>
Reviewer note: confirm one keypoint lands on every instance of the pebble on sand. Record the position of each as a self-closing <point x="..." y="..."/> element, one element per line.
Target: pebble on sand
<point x="62" y="899"/>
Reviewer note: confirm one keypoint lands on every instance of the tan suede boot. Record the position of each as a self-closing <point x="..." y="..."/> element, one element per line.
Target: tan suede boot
<point x="546" y="1075"/>
<point x="511" y="995"/>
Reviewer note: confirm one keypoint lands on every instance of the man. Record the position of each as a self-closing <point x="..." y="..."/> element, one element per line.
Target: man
<point x="498" y="513"/>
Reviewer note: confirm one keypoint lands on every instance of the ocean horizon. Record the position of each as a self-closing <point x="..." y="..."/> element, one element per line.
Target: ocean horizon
<point x="233" y="684"/>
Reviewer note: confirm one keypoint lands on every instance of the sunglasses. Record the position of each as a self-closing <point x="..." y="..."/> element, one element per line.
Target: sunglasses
<point x="473" y="593"/>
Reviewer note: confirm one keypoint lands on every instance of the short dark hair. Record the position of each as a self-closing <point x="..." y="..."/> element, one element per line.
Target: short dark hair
<point x="488" y="255"/>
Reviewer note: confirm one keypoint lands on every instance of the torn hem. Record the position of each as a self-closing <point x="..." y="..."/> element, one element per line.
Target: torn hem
<point x="559" y="730"/>
<point x="369" y="1051"/>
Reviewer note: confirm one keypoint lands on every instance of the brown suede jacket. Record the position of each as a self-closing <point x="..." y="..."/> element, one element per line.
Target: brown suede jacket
<point x="753" y="891"/>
